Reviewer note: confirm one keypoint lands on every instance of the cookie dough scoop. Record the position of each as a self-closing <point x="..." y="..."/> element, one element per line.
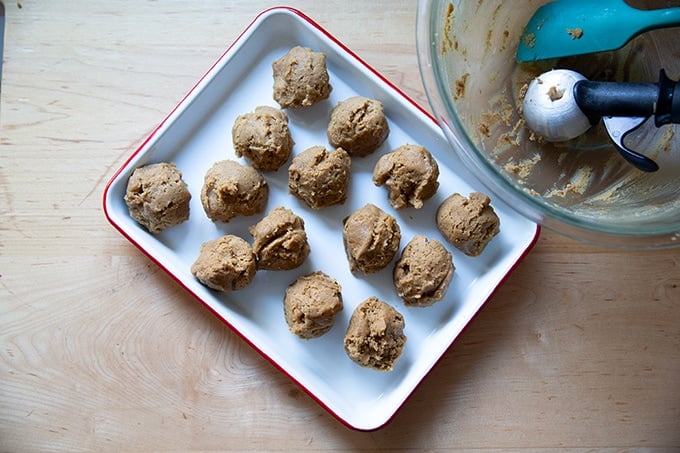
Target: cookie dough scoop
<point x="562" y="104"/>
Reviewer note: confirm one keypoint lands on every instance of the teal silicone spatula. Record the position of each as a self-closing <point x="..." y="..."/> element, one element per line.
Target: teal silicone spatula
<point x="575" y="27"/>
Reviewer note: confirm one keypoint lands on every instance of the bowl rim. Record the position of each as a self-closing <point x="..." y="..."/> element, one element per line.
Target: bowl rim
<point x="561" y="221"/>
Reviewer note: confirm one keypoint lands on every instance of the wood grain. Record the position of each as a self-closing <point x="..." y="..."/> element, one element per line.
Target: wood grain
<point x="99" y="350"/>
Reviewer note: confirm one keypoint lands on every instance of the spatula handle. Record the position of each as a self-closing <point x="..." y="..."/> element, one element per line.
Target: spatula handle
<point x="598" y="99"/>
<point x="657" y="18"/>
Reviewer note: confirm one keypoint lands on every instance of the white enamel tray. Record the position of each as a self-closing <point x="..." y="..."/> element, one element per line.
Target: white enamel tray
<point x="197" y="133"/>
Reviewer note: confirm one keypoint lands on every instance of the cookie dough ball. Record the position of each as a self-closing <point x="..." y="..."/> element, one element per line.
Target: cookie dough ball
<point x="231" y="189"/>
<point x="375" y="336"/>
<point x="468" y="224"/>
<point x="320" y="177"/>
<point x="300" y="78"/>
<point x="311" y="303"/>
<point x="225" y="264"/>
<point x="279" y="240"/>
<point x="358" y="125"/>
<point x="263" y="138"/>
<point x="423" y="272"/>
<point x="371" y="238"/>
<point x="410" y="175"/>
<point x="157" y="197"/>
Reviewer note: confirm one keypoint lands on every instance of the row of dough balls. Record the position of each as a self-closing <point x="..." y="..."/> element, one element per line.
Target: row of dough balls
<point x="320" y="177"/>
<point x="357" y="124"/>
<point x="158" y="198"/>
<point x="375" y="334"/>
<point x="421" y="274"/>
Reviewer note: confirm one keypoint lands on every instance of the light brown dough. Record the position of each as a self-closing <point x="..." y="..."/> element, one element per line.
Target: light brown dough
<point x="263" y="138"/>
<point x="225" y="264"/>
<point x="300" y="78"/>
<point x="279" y="240"/>
<point x="371" y="238"/>
<point x="231" y="189"/>
<point x="423" y="272"/>
<point x="311" y="303"/>
<point x="320" y="177"/>
<point x="358" y="125"/>
<point x="157" y="197"/>
<point x="468" y="224"/>
<point x="375" y="336"/>
<point x="410" y="175"/>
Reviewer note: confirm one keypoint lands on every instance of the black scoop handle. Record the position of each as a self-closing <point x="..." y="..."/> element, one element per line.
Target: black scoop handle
<point x="630" y="99"/>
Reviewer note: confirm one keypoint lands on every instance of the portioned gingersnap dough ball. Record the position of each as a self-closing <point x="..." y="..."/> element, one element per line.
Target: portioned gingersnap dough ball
<point x="358" y="125"/>
<point x="157" y="197"/>
<point x="371" y="238"/>
<point x="263" y="138"/>
<point x="231" y="189"/>
<point x="311" y="303"/>
<point x="468" y="224"/>
<point x="300" y="78"/>
<point x="423" y="272"/>
<point x="410" y="175"/>
<point x="225" y="264"/>
<point x="375" y="336"/>
<point x="320" y="177"/>
<point x="279" y="240"/>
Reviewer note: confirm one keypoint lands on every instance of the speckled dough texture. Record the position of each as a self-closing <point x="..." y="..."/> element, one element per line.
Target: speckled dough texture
<point x="423" y="272"/>
<point x="320" y="177"/>
<point x="225" y="264"/>
<point x="300" y="78"/>
<point x="469" y="224"/>
<point x="157" y="197"/>
<point x="279" y="240"/>
<point x="371" y="238"/>
<point x="375" y="336"/>
<point x="358" y="125"/>
<point x="410" y="175"/>
<point x="311" y="303"/>
<point x="263" y="138"/>
<point x="231" y="189"/>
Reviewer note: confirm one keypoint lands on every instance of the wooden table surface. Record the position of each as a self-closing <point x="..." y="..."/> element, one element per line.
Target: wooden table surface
<point x="100" y="350"/>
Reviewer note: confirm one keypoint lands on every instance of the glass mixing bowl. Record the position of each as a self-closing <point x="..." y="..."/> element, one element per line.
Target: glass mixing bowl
<point x="581" y="188"/>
